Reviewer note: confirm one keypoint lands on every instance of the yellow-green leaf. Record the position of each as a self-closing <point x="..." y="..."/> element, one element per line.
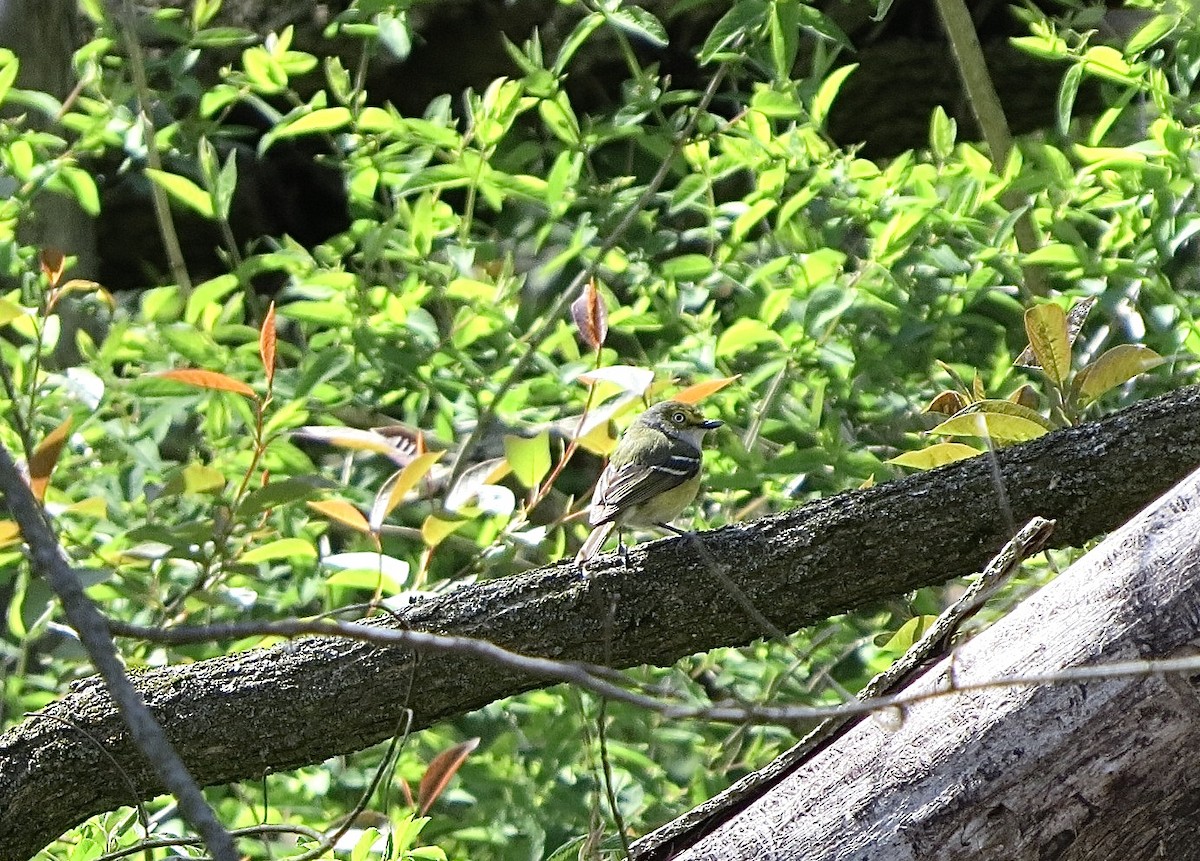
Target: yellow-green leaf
<point x="284" y="548"/>
<point x="1006" y="407"/>
<point x="1116" y="366"/>
<point x="936" y="455"/>
<point x="998" y="427"/>
<point x="911" y="631"/>
<point x="435" y="530"/>
<point x="528" y="457"/>
<point x="9" y="311"/>
<point x="183" y="190"/>
<point x="1046" y="326"/>
<point x="399" y="484"/>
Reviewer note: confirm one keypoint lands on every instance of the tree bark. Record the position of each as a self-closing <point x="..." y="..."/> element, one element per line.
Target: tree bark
<point x="245" y="714"/>
<point x="1077" y="770"/>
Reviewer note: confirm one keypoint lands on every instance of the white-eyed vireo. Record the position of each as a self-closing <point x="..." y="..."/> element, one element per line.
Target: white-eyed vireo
<point x="652" y="475"/>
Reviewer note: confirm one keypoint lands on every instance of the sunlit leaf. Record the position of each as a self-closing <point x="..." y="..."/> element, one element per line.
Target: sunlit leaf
<point x="364" y="570"/>
<point x="206" y="380"/>
<point x="1046" y="328"/>
<point x="266" y="344"/>
<point x="355" y="439"/>
<point x="398" y="485"/>
<point x="183" y="190"/>
<point x="194" y="478"/>
<point x="1002" y="429"/>
<point x="436" y="529"/>
<point x="9" y="311"/>
<point x="626" y="377"/>
<point x="1006" y="407"/>
<point x="473" y="479"/>
<point x="1116" y="366"/>
<point x="10" y="533"/>
<point x="529" y="457"/>
<point x="698" y="392"/>
<point x="341" y="512"/>
<point x="1075" y="320"/>
<point x="284" y="548"/>
<point x="935" y="455"/>
<point x="45" y="457"/>
<point x="908" y="634"/>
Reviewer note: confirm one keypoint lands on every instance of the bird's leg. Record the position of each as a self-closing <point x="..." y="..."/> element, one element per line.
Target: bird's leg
<point x="621" y="548"/>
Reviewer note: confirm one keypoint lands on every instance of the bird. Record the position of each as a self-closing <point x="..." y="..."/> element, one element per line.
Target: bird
<point x="652" y="475"/>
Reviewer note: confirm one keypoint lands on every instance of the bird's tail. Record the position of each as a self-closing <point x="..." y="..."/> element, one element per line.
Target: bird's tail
<point x="594" y="542"/>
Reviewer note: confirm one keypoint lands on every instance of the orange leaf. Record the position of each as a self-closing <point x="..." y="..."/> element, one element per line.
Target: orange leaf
<point x="700" y="391"/>
<point x="44" y="458"/>
<point x="208" y="380"/>
<point x="52" y="261"/>
<point x="341" y="512"/>
<point x="10" y="533"/>
<point x="266" y="344"/>
<point x="590" y="316"/>
<point x="440" y="770"/>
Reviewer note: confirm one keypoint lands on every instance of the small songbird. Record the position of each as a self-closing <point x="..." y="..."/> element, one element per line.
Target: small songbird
<point x="652" y="475"/>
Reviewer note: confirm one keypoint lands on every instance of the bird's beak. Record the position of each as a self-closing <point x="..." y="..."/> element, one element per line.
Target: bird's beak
<point x="711" y="424"/>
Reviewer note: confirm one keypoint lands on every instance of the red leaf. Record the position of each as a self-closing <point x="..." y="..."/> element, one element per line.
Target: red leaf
<point x="266" y="344"/>
<point x="439" y="772"/>
<point x="590" y="316"/>
<point x="52" y="261"/>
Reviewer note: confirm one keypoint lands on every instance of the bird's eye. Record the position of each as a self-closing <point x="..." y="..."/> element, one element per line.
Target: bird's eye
<point x="679" y="417"/>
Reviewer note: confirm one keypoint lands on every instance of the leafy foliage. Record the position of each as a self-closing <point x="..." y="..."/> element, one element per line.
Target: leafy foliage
<point x="428" y="397"/>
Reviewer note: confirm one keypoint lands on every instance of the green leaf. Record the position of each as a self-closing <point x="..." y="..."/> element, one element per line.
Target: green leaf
<point x="745" y="333"/>
<point x="284" y="548"/>
<point x="1065" y="103"/>
<point x="1116" y="366"/>
<point x="1046" y="327"/>
<point x="183" y="190"/>
<point x="737" y="22"/>
<point x="278" y="493"/>
<point x="935" y="455"/>
<point x="529" y="457"/>
<point x="908" y="634"/>
<point x="827" y="92"/>
<point x="1107" y="62"/>
<point x="1151" y="33"/>
<point x="8" y="71"/>
<point x="640" y="23"/>
<point x="318" y="121"/>
<point x="942" y="133"/>
<point x="585" y="28"/>
<point x="687" y="267"/>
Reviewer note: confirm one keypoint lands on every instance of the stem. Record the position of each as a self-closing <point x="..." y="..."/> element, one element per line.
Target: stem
<point x="162" y="210"/>
<point x="985" y="105"/>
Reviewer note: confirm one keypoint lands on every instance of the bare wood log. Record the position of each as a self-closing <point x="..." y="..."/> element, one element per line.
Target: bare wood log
<point x="1095" y="769"/>
<point x="239" y="716"/>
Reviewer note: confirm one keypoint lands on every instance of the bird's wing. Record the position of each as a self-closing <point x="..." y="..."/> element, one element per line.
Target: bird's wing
<point x="624" y="487"/>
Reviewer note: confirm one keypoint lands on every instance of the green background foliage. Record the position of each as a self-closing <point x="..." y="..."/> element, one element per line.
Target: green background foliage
<point x="728" y="236"/>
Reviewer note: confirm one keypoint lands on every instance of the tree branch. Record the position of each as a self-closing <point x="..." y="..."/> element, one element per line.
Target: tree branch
<point x="241" y="715"/>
